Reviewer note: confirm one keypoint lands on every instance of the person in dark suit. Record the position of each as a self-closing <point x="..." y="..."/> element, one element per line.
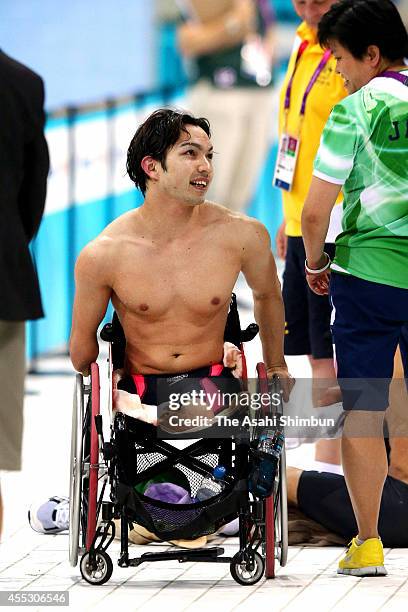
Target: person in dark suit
<point x="24" y="165"/>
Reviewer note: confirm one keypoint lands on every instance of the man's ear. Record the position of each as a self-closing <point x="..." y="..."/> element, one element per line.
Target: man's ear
<point x="149" y="165"/>
<point x="373" y="55"/>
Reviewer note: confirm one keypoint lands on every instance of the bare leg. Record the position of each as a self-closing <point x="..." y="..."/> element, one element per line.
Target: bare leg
<point x="365" y="468"/>
<point x="324" y="378"/>
<point x="292" y="477"/>
<point x="397" y="421"/>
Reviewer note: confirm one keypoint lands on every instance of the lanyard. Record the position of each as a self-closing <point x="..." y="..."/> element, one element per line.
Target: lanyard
<point x="392" y="74"/>
<point x="312" y="81"/>
<point x="289" y="87"/>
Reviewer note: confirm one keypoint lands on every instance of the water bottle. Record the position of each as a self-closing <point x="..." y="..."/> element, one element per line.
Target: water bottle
<point x="271" y="445"/>
<point x="262" y="476"/>
<point x="212" y="485"/>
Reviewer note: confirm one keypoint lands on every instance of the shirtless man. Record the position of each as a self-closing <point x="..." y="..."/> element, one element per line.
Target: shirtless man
<point x="170" y="266"/>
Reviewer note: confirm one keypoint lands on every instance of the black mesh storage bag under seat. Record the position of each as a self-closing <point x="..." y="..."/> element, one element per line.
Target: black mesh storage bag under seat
<point x="137" y="454"/>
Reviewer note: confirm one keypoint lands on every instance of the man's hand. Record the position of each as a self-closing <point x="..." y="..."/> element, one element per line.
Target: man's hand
<point x="224" y="32"/>
<point x="287" y="381"/>
<point x="319" y="283"/>
<point x="281" y="241"/>
<point x="233" y="359"/>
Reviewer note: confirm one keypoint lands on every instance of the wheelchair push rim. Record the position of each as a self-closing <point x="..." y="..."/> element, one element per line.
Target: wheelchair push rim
<point x="84" y="469"/>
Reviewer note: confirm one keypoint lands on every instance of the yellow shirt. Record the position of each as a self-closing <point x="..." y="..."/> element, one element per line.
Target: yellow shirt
<point x="325" y="93"/>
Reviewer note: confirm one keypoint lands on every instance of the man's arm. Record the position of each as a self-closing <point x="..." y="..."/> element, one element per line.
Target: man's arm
<point x="221" y="33"/>
<point x="259" y="269"/>
<point x="315" y="223"/>
<point x="93" y="291"/>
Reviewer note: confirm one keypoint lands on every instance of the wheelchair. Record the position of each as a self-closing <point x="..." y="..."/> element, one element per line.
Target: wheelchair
<point x="104" y="474"/>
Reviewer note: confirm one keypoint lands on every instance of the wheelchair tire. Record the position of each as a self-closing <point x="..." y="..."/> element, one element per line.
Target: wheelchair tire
<point x="281" y="519"/>
<point x="99" y="574"/>
<point x="245" y="575"/>
<point x="75" y="482"/>
<point x="94" y="457"/>
<point x="270" y="522"/>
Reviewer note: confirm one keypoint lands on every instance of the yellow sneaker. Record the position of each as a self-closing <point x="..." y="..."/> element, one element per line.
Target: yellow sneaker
<point x="366" y="559"/>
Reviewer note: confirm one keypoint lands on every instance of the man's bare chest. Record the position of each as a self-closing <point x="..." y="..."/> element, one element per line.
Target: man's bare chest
<point x="194" y="278"/>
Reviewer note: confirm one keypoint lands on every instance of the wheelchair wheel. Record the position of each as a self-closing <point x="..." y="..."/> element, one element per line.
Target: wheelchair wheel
<point x="281" y="519"/>
<point x="93" y="456"/>
<point x="75" y="491"/>
<point x="270" y="522"/>
<point x="276" y="507"/>
<point x="98" y="572"/>
<point x="247" y="572"/>
<point x="84" y="468"/>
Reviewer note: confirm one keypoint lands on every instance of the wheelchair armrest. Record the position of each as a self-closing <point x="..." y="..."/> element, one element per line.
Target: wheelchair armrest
<point x="249" y="333"/>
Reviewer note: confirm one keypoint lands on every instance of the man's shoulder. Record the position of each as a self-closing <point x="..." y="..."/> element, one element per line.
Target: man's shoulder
<point x="241" y="224"/>
<point x="121" y="226"/>
<point x="111" y="240"/>
<point x="220" y="212"/>
<point x="10" y="67"/>
<point x="97" y="252"/>
<point x="215" y="211"/>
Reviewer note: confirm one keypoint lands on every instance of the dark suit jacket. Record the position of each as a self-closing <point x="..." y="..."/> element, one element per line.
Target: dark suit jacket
<point x="24" y="167"/>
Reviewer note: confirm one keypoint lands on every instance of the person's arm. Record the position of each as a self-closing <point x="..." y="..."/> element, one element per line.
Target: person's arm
<point x="222" y="33"/>
<point x="333" y="165"/>
<point x="281" y="241"/>
<point x="319" y="203"/>
<point x="259" y="269"/>
<point x="93" y="291"/>
<point x="31" y="198"/>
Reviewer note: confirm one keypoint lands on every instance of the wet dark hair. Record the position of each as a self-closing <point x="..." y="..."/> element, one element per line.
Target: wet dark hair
<point x="155" y="136"/>
<point x="357" y="24"/>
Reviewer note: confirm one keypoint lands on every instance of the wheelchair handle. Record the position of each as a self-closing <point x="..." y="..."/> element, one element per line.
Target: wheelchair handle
<point x="249" y="333"/>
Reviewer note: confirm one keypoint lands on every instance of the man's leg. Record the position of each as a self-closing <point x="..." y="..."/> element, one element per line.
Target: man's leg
<point x="12" y="373"/>
<point x="255" y="131"/>
<point x="397" y="421"/>
<point x="365" y="468"/>
<point x="322" y="364"/>
<point x="292" y="482"/>
<point x="326" y="451"/>
<point x="366" y="334"/>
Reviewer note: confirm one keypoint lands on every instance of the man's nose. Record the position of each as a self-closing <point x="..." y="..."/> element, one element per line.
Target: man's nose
<point x="205" y="165"/>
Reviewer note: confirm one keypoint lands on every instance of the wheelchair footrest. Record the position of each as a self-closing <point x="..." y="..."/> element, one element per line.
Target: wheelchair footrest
<point x="183" y="556"/>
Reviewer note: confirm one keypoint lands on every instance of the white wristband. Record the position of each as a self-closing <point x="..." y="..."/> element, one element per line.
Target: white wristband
<point x="320" y="270"/>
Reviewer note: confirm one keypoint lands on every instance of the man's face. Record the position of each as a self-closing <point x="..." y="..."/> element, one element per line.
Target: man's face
<point x="355" y="72"/>
<point x="312" y="11"/>
<point x="189" y="168"/>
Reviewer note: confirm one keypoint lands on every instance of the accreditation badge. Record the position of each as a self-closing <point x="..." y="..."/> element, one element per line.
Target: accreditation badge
<point x="286" y="162"/>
